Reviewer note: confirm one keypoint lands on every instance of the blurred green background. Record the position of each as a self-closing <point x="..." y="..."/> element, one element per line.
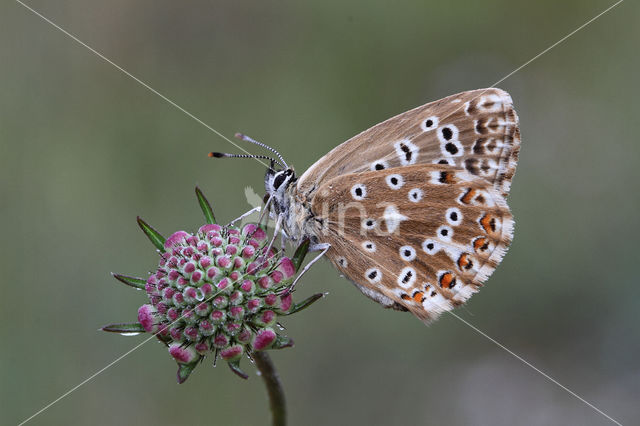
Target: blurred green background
<point x="84" y="149"/>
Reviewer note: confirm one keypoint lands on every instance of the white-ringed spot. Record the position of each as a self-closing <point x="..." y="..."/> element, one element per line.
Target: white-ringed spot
<point x="407" y="253"/>
<point x="343" y="262"/>
<point x="450" y="146"/>
<point x="429" y="123"/>
<point x="379" y="165"/>
<point x="407" y="152"/>
<point x="359" y="192"/>
<point x="453" y="216"/>
<point x="445" y="233"/>
<point x="369" y="246"/>
<point x="447" y="133"/>
<point x="407" y="277"/>
<point x="430" y="246"/>
<point x="448" y="161"/>
<point x="395" y="181"/>
<point x="369" y="223"/>
<point x="415" y="195"/>
<point x="373" y="275"/>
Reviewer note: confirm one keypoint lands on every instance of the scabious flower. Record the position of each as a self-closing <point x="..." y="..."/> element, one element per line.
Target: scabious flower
<point x="216" y="292"/>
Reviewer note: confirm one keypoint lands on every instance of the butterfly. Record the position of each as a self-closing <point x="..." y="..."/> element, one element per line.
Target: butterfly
<point x="413" y="210"/>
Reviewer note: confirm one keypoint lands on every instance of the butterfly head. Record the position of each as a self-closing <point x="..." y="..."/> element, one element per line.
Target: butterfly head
<point x="276" y="183"/>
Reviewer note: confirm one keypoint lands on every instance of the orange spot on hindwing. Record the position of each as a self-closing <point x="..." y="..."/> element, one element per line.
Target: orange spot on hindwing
<point x="447" y="280"/>
<point x="480" y="244"/>
<point x="465" y="262"/>
<point x="468" y="196"/>
<point x="488" y="223"/>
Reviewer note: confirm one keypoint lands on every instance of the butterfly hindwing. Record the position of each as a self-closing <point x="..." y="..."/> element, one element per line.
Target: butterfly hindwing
<point x="476" y="131"/>
<point x="423" y="237"/>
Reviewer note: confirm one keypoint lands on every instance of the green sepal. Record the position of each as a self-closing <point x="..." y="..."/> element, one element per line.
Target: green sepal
<point x="235" y="367"/>
<point x="153" y="235"/>
<point x="205" y="206"/>
<point x="184" y="371"/>
<point x="165" y="340"/>
<point x="282" y="342"/>
<point x="301" y="252"/>
<point x="297" y="307"/>
<point x="134" y="327"/>
<point x="134" y="282"/>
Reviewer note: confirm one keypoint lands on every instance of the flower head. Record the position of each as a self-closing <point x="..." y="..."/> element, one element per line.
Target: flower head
<point x="216" y="292"/>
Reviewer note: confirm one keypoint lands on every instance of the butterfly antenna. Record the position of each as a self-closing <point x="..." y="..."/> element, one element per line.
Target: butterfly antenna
<point x="225" y="155"/>
<point x="251" y="140"/>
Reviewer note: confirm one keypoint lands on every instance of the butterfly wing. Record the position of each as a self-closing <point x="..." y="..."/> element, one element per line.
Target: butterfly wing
<point x="424" y="237"/>
<point x="475" y="130"/>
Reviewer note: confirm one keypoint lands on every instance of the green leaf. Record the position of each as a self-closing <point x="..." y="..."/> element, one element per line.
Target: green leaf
<point x="205" y="206"/>
<point x="235" y="367"/>
<point x="124" y="328"/>
<point x="301" y="252"/>
<point x="184" y="371"/>
<point x="297" y="307"/>
<point x="153" y="235"/>
<point x="130" y="281"/>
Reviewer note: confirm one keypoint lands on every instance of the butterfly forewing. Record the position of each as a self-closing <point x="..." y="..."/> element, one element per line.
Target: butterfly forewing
<point x="476" y="131"/>
<point x="423" y="237"/>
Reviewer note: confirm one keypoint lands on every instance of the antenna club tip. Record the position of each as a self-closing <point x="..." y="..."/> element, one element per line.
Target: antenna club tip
<point x="239" y="135"/>
<point x="215" y="155"/>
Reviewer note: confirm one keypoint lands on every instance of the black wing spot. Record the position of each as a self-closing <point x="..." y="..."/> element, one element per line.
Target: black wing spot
<point x="407" y="151"/>
<point x="451" y="148"/>
<point x="447" y="134"/>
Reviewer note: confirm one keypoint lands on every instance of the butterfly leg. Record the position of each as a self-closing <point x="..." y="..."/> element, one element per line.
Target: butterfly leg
<point x="265" y="210"/>
<point x="250" y="212"/>
<point x="324" y="247"/>
<point x="276" y="232"/>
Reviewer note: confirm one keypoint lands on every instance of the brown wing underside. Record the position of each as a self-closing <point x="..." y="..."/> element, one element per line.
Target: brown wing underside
<point x="476" y="131"/>
<point x="423" y="236"/>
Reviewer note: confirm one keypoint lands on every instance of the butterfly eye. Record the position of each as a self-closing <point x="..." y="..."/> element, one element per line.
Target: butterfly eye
<point x="430" y="123"/>
<point x="279" y="179"/>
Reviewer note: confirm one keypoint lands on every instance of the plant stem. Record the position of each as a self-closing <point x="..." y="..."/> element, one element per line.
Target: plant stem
<point x="274" y="387"/>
